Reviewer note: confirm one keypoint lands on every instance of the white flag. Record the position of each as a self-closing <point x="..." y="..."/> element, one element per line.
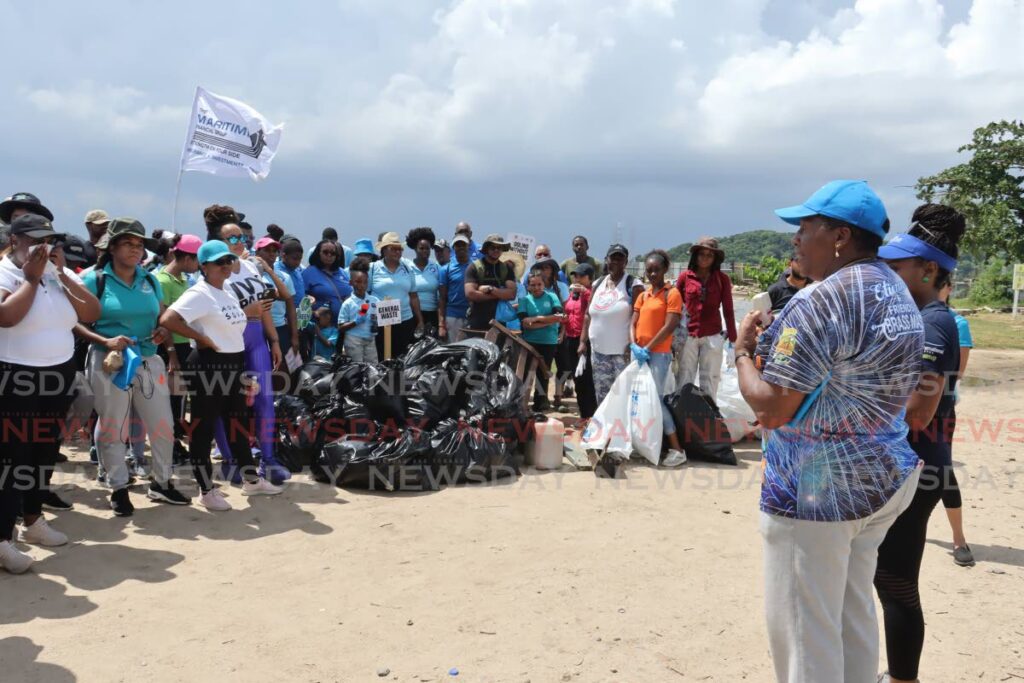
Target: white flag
<point x="229" y="138"/>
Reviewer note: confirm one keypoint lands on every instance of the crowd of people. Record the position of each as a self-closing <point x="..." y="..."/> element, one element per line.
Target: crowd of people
<point x="852" y="376"/>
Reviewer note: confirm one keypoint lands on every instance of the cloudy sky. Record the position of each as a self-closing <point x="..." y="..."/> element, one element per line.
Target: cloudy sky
<point x="550" y="117"/>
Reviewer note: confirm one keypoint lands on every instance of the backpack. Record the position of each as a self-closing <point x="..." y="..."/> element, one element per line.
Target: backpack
<point x="81" y="345"/>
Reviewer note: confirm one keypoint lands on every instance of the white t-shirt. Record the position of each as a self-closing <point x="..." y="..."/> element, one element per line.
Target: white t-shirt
<point x="43" y="337"/>
<point x="215" y="313"/>
<point x="611" y="311"/>
<point x="248" y="285"/>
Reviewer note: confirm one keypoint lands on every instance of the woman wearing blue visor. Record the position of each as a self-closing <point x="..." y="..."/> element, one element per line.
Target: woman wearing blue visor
<point x="829" y="380"/>
<point x="924" y="258"/>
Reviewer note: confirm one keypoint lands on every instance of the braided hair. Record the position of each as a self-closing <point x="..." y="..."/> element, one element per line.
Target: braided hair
<point x="216" y="216"/>
<point x="942" y="227"/>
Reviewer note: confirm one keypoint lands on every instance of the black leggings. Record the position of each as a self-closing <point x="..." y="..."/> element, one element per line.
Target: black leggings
<point x="896" y="578"/>
<point x="215" y="382"/>
<point x="951" y="499"/>
<point x="34" y="403"/>
<point x="566" y="361"/>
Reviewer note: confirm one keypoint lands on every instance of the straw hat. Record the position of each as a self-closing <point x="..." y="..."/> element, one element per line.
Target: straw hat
<point x="516" y="260"/>
<point x="390" y="239"/>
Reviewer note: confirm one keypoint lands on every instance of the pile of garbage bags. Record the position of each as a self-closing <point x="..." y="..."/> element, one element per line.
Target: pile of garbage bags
<point x="442" y="414"/>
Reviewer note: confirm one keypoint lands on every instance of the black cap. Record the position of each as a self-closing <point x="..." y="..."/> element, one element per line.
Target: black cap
<point x="33" y="225"/>
<point x="617" y="249"/>
<point x="583" y="269"/>
<point x="78" y="251"/>
<point x="24" y="200"/>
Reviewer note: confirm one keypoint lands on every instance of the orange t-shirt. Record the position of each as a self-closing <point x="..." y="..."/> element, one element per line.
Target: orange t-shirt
<point x="654" y="307"/>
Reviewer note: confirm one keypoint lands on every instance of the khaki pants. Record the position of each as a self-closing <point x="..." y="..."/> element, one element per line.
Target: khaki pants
<point x="149" y="398"/>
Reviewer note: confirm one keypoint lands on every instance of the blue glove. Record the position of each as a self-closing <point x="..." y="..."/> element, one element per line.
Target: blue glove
<point x="640" y="354"/>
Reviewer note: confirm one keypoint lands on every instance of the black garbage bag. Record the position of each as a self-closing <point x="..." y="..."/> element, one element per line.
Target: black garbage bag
<point x="701" y="429"/>
<point x="386" y="388"/>
<point x="418" y="352"/>
<point x="388" y="464"/>
<point x="350" y="378"/>
<point x="435" y="395"/>
<point x="463" y="452"/>
<point x="339" y="416"/>
<point x="297" y="443"/>
<point x="476" y="355"/>
<point x="315" y="379"/>
<point x="497" y="402"/>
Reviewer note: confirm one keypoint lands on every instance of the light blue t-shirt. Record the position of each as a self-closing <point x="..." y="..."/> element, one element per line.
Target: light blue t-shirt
<point x="963" y="329"/>
<point x="279" y="309"/>
<point x="397" y="285"/>
<point x="426" y="284"/>
<point x="321" y="349"/>
<point x="350" y="311"/>
<point x="859" y="337"/>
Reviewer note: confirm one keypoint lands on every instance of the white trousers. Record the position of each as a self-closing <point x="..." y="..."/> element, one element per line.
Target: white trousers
<point x="819" y="594"/>
<point x="701" y="357"/>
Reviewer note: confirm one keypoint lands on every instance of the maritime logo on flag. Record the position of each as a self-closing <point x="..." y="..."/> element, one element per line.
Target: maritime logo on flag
<point x="229" y="138"/>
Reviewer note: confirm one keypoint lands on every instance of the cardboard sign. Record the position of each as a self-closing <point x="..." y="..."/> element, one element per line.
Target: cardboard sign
<point x="389" y="312"/>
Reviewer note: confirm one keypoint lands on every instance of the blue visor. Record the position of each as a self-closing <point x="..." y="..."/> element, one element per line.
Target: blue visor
<point x="908" y="246"/>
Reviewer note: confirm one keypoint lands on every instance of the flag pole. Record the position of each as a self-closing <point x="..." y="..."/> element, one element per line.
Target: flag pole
<point x="177" y="194"/>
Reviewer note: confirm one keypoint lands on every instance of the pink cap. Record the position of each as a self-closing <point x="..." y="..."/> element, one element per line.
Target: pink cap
<point x="189" y="244"/>
<point x="266" y="242"/>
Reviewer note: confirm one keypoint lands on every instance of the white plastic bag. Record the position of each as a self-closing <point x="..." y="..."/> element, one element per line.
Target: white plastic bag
<point x="738" y="416"/>
<point x="608" y="429"/>
<point x="645" y="419"/>
<point x="581" y="367"/>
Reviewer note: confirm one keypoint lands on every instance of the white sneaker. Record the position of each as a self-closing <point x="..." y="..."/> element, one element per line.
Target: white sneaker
<point x="674" y="459"/>
<point x="12" y="559"/>
<point x="261" y="487"/>
<point x="42" y="533"/>
<point x="214" y="500"/>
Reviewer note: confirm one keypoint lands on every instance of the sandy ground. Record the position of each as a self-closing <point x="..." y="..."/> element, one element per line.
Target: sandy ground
<point x="557" y="576"/>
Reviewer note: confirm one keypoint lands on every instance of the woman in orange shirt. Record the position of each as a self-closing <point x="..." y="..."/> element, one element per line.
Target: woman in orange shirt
<point x="656" y="315"/>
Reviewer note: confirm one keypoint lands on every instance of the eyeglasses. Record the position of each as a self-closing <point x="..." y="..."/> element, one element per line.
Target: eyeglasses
<point x="234" y="239"/>
<point x="224" y="261"/>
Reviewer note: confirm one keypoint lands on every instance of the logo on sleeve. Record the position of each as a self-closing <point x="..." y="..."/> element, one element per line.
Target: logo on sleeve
<point x="786" y="345"/>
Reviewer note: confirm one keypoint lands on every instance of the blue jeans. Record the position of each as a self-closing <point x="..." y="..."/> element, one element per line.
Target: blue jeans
<point x="661" y="364"/>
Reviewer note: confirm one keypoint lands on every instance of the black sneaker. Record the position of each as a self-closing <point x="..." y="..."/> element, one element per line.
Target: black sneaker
<point x="51" y="501"/>
<point x="167" y="494"/>
<point x="121" y="504"/>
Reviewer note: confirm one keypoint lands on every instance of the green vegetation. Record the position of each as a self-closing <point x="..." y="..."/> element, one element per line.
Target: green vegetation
<point x="993" y="285"/>
<point x="996" y="331"/>
<point x="765" y="274"/>
<point x="746" y="247"/>
<point x="987" y="189"/>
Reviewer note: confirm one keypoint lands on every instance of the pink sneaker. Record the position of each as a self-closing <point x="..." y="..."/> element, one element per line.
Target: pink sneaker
<point x="214" y="500"/>
<point x="261" y="487"/>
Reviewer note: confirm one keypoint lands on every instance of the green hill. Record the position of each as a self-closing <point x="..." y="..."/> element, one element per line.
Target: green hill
<point x="745" y="247"/>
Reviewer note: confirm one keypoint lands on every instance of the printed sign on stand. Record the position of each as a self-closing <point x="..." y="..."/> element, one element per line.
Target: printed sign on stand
<point x="389" y="312"/>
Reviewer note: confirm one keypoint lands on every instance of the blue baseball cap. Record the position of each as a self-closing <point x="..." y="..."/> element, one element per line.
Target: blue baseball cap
<point x="850" y="201"/>
<point x="213" y="250"/>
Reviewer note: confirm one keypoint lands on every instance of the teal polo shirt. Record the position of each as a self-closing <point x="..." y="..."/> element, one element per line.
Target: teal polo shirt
<point x="132" y="311"/>
<point x="531" y="307"/>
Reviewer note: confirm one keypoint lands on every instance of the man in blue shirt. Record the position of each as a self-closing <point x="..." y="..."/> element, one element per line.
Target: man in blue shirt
<point x="474" y="250"/>
<point x="452" y="303"/>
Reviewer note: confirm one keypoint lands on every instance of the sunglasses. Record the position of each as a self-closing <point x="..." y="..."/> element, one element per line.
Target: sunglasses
<point x="223" y="261"/>
<point x="234" y="239"/>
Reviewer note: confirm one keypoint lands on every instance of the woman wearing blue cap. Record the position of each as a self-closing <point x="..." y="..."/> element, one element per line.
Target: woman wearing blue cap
<point x="829" y="380"/>
<point x="924" y="259"/>
<point x="222" y="390"/>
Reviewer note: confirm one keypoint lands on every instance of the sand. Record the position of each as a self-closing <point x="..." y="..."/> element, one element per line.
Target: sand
<point x="556" y="576"/>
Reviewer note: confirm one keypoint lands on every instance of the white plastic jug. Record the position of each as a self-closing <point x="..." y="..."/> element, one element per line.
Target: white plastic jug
<point x="545" y="451"/>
